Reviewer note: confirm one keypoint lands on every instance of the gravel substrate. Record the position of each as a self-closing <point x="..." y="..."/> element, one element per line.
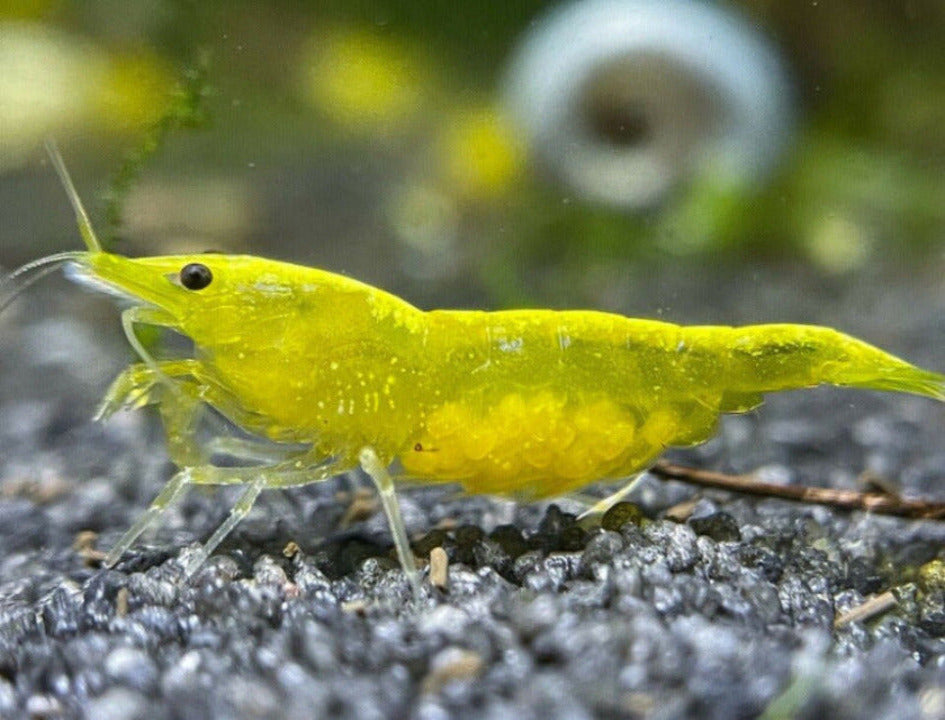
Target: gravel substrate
<point x="728" y="610"/>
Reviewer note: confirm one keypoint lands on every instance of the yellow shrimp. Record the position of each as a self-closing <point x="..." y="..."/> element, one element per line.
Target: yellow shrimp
<point x="334" y="374"/>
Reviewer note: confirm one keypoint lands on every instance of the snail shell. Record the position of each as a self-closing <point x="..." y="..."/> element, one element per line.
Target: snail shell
<point x="627" y="100"/>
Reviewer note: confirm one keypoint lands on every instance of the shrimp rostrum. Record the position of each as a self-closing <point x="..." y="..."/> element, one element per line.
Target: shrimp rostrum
<point x="527" y="403"/>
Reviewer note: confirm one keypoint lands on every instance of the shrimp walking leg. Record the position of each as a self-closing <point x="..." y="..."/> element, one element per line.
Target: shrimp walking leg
<point x="596" y="510"/>
<point x="303" y="469"/>
<point x="237" y="513"/>
<point x="171" y="491"/>
<point x="372" y="465"/>
<point x="300" y="469"/>
<point x="180" y="415"/>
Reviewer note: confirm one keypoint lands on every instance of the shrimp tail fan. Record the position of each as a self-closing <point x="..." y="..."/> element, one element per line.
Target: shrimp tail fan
<point x="904" y="378"/>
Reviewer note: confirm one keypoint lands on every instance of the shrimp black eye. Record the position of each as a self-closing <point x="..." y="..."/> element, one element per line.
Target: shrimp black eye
<point x="195" y="276"/>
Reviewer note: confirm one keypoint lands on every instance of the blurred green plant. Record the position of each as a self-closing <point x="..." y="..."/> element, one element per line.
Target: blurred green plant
<point x="186" y="109"/>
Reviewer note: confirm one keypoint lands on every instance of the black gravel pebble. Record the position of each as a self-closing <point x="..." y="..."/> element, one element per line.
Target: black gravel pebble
<point x="621" y="513"/>
<point x="719" y="526"/>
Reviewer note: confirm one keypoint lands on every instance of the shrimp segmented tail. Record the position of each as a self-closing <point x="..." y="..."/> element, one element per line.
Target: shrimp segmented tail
<point x="768" y="358"/>
<point x="878" y="370"/>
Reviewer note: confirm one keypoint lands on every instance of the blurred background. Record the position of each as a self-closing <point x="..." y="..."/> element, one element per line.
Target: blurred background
<point x="710" y="162"/>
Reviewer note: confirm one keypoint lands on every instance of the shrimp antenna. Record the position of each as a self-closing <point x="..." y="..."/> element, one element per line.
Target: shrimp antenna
<point x="82" y="217"/>
<point x="16" y="282"/>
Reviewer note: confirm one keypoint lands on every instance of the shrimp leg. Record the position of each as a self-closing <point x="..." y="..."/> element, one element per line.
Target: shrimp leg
<point x="170" y="492"/>
<point x="372" y="465"/>
<point x="237" y="513"/>
<point x="305" y="468"/>
<point x="299" y="471"/>
<point x="180" y="414"/>
<point x="180" y="404"/>
<point x="141" y="384"/>
<point x="597" y="510"/>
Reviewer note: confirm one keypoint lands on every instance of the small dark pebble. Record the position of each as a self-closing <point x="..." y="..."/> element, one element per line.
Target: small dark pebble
<point x="140" y="560"/>
<point x="719" y="526"/>
<point x="601" y="548"/>
<point x="340" y="558"/>
<point x="510" y="539"/>
<point x="862" y="576"/>
<point x="557" y="531"/>
<point x="466" y="537"/>
<point x="554" y="521"/>
<point x="933" y="622"/>
<point x="572" y="539"/>
<point x="488" y="553"/>
<point x="759" y="557"/>
<point x="468" y="534"/>
<point x="620" y="514"/>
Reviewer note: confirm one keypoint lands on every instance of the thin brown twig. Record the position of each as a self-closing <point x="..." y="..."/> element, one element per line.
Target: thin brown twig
<point x="869" y="608"/>
<point x="875" y="502"/>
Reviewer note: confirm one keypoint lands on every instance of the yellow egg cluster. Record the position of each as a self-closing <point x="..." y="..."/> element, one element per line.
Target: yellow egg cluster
<point x="535" y="445"/>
